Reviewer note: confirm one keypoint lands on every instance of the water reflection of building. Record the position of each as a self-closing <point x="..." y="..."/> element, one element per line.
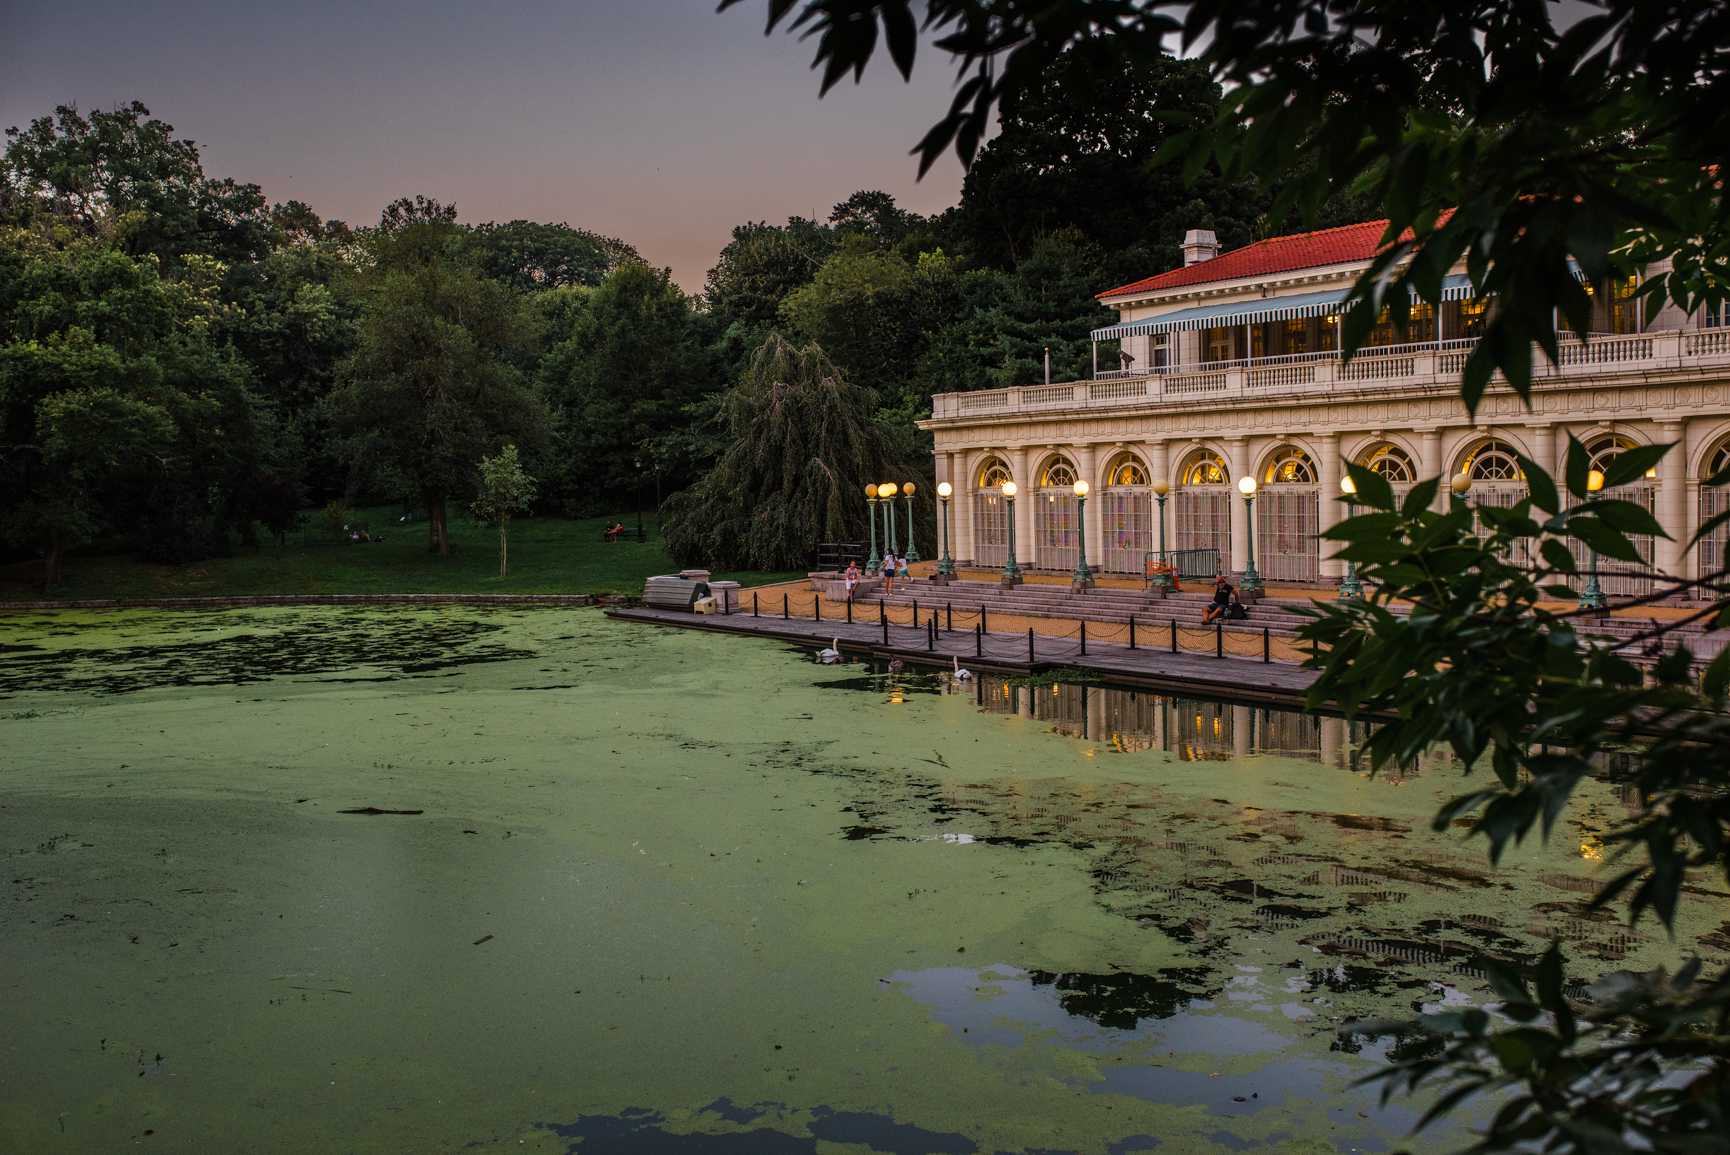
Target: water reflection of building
<point x="1193" y="729"/>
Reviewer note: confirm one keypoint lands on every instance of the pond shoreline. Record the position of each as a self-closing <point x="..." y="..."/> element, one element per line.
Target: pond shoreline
<point x="1242" y="679"/>
<point x="244" y="601"/>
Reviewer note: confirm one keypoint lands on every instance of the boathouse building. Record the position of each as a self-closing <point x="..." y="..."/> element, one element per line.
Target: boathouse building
<point x="1228" y="367"/>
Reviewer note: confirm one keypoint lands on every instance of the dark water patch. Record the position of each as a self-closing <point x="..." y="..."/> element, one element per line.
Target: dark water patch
<point x="641" y="1131"/>
<point x="1122" y="1000"/>
<point x="1344" y="978"/>
<point x="882" y="1133"/>
<point x="340" y="645"/>
<point x="878" y="683"/>
<point x="1131" y="1143"/>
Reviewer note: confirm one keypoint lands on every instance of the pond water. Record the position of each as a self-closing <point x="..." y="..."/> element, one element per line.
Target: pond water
<point x="292" y="879"/>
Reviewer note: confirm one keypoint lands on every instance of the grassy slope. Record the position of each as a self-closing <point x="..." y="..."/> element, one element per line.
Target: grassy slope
<point x="548" y="555"/>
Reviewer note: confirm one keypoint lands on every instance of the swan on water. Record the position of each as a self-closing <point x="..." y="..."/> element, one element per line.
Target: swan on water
<point x="831" y="655"/>
<point x="961" y="675"/>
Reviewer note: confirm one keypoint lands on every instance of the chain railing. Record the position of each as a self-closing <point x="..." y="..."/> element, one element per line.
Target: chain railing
<point x="942" y="623"/>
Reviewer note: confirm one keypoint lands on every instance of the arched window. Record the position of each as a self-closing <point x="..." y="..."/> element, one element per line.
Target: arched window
<point x="1714" y="499"/>
<point x="992" y="473"/>
<point x="1717" y="461"/>
<point x="1492" y="461"/>
<point x="1289" y="465"/>
<point x="1125" y="470"/>
<point x="1392" y="462"/>
<point x="1057" y="474"/>
<point x="1607" y="448"/>
<point x="1203" y="467"/>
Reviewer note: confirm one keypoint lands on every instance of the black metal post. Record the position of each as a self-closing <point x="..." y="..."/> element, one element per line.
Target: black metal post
<point x="753" y="603"/>
<point x="1174" y="635"/>
<point x="1266" y="646"/>
<point x="817" y="607"/>
<point x="915" y="611"/>
<point x="949" y="617"/>
<point x="882" y="614"/>
<point x="1132" y="631"/>
<point x="1218" y="640"/>
<point x="978" y="641"/>
<point x="982" y="624"/>
<point x="786" y="603"/>
<point x="931" y="635"/>
<point x="885" y="624"/>
<point x="849" y="611"/>
<point x="1030" y="645"/>
<point x="1084" y="636"/>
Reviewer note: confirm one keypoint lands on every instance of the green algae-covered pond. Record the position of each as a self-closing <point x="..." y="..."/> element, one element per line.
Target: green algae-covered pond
<point x="653" y="890"/>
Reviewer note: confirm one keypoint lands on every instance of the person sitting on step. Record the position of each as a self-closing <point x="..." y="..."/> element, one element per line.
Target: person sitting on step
<point x="1222" y="595"/>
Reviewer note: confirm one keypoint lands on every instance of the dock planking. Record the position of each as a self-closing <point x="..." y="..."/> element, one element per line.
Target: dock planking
<point x="1244" y="679"/>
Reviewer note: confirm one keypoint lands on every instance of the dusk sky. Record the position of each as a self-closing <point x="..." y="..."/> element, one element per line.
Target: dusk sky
<point x="657" y="121"/>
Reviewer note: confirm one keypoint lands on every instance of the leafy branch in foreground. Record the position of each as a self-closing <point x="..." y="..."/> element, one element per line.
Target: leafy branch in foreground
<point x="1461" y="643"/>
<point x="1515" y="136"/>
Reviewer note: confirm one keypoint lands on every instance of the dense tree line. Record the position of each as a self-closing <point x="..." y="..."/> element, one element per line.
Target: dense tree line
<point x="184" y="363"/>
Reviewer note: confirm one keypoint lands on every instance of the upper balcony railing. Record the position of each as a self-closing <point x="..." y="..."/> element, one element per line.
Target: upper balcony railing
<point x="1388" y="366"/>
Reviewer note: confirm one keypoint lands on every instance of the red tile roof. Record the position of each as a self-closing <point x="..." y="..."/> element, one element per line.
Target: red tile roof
<point x="1336" y="246"/>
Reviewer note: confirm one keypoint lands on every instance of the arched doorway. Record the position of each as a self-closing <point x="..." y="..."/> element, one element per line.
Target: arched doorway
<point x="1621" y="577"/>
<point x="1288" y="517"/>
<point x="1714" y="499"/>
<point x="1126" y="517"/>
<point x="1201" y="511"/>
<point x="1056" y="533"/>
<point x="1394" y="465"/>
<point x="990" y="514"/>
<point x="1498" y="480"/>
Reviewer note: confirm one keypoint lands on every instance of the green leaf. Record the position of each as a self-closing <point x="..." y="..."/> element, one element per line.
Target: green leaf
<point x="1373" y="489"/>
<point x="1543" y="489"/>
<point x="1628" y="517"/>
<point x="1420" y="497"/>
<point x="1558" y="556"/>
<point x="1579" y="464"/>
<point x="1631" y="464"/>
<point x="1602" y="538"/>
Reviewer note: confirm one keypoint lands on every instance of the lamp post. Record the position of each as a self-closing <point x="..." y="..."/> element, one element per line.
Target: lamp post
<point x="1251" y="579"/>
<point x="1083" y="577"/>
<point x="1011" y="567"/>
<point x="1592" y="597"/>
<point x="887" y="492"/>
<point x="945" y="566"/>
<point x="871" y="505"/>
<point x="1351" y="589"/>
<point x="912" y="550"/>
<point x="1162" y="579"/>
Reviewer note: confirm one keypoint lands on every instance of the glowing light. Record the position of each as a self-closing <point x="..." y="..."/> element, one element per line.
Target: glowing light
<point x="944" y="489"/>
<point x="1594" y="480"/>
<point x="1347" y="485"/>
<point x="1246" y="486"/>
<point x="1009" y="489"/>
<point x="1081" y="489"/>
<point x="870" y="491"/>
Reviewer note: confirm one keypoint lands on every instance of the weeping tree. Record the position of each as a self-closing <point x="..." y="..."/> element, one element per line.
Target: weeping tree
<point x="801" y="444"/>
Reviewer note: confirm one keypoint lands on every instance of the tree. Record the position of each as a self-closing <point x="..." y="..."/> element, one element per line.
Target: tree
<point x="859" y="309"/>
<point x="125" y="176"/>
<point x="632" y="356"/>
<point x="1596" y="143"/>
<point x="436" y="376"/>
<point x="529" y="255"/>
<point x="801" y="444"/>
<point x="505" y="489"/>
<point x="755" y="272"/>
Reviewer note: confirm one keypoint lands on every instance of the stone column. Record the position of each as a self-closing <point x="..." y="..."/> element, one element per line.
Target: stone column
<point x="961" y="507"/>
<point x="1332" y="509"/>
<point x="1087" y="459"/>
<point x="1237" y="465"/>
<point x="1544" y="452"/>
<point x="1430" y="463"/>
<point x="1020" y="461"/>
<point x="1672" y="556"/>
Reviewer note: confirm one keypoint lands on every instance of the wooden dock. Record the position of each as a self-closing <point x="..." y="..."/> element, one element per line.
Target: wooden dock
<point x="1148" y="665"/>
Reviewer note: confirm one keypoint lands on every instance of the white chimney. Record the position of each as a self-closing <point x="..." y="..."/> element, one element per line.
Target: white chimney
<point x="1199" y="245"/>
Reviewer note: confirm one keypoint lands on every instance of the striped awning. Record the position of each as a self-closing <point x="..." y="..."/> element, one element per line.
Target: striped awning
<point x="1236" y="313"/>
<point x="1456" y="287"/>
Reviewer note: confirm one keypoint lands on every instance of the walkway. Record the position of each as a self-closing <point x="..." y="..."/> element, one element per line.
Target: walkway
<point x="1240" y="677"/>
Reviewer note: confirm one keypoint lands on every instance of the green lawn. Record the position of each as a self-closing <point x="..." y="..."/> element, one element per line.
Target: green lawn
<point x="548" y="556"/>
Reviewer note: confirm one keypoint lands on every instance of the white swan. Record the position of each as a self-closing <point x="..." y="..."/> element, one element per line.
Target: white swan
<point x="831" y="655"/>
<point x="961" y="675"/>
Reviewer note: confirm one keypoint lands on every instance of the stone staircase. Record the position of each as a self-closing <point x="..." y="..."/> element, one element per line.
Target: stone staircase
<point x="1105" y="605"/>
